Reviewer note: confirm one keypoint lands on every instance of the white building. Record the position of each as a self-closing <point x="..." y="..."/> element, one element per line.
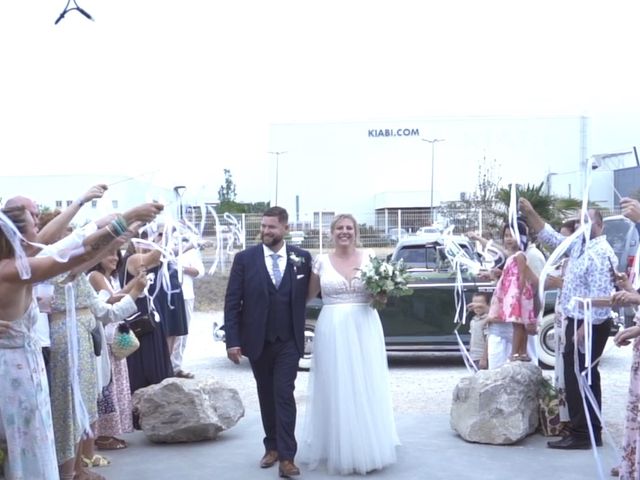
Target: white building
<point x="59" y="191"/>
<point x="363" y="167"/>
<point x="613" y="176"/>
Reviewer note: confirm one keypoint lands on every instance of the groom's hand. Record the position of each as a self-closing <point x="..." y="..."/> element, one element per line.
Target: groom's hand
<point x="234" y="354"/>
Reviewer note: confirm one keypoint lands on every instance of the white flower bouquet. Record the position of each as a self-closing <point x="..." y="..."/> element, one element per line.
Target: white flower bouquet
<point x="384" y="279"/>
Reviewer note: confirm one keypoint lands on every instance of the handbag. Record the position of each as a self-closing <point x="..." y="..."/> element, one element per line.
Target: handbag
<point x="124" y="342"/>
<point x="141" y="324"/>
<point x="96" y="337"/>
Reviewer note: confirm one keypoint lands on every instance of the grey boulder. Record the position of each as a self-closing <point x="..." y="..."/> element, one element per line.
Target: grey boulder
<point x="184" y="410"/>
<point x="498" y="407"/>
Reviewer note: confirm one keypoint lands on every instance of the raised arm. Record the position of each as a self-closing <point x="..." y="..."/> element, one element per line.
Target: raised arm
<point x="92" y="247"/>
<point x="534" y="220"/>
<point x="141" y="261"/>
<point x="56" y="227"/>
<point x="108" y="312"/>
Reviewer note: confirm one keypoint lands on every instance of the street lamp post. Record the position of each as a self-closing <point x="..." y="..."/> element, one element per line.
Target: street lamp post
<point x="277" y="154"/>
<point x="433" y="154"/>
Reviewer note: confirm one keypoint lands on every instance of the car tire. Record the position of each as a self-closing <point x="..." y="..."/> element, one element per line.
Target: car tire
<point x="304" y="364"/>
<point x="546" y="343"/>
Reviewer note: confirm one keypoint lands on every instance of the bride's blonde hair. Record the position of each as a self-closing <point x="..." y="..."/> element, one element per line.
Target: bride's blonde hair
<point x="346" y="216"/>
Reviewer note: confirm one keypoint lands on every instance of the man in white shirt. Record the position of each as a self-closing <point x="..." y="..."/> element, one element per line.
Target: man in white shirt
<point x="190" y="262"/>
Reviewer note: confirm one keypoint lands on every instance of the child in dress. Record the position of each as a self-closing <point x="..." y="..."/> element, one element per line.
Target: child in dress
<point x="513" y="298"/>
<point x="478" y="329"/>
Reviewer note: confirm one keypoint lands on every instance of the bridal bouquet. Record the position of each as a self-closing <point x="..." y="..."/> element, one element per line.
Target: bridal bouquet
<point x="384" y="279"/>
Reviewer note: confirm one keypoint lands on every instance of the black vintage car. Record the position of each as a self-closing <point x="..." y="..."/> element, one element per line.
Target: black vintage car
<point x="423" y="321"/>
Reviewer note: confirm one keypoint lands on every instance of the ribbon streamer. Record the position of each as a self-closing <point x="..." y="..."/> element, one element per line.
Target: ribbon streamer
<point x="79" y="409"/>
<point x="513" y="214"/>
<point x="459" y="258"/>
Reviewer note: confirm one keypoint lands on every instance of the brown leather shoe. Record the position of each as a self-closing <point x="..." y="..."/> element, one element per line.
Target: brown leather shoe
<point x="288" y="469"/>
<point x="269" y="459"/>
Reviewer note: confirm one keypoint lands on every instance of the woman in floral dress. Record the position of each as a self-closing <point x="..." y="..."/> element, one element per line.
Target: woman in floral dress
<point x="114" y="408"/>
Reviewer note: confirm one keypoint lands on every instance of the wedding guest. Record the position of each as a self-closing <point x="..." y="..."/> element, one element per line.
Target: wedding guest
<point x="513" y="298"/>
<point x="554" y="280"/>
<point x="629" y="468"/>
<point x="114" y="407"/>
<point x="151" y="363"/>
<point x="191" y="266"/>
<point x="349" y="423"/>
<point x="264" y="316"/>
<point x="75" y="383"/>
<point x="478" y="329"/>
<point x="168" y="298"/>
<point x="588" y="275"/>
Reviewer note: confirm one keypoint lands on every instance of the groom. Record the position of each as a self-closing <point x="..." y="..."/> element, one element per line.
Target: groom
<point x="264" y="316"/>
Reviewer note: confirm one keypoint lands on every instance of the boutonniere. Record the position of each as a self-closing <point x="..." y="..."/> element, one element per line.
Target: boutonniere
<point x="295" y="260"/>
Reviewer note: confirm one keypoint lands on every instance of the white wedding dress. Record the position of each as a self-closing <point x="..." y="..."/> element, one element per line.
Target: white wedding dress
<point x="349" y="424"/>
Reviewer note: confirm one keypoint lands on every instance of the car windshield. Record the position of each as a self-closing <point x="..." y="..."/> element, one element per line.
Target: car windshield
<point x="419" y="256"/>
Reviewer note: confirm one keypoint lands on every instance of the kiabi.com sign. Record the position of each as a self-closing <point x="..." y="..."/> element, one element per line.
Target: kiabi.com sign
<point x="390" y="132"/>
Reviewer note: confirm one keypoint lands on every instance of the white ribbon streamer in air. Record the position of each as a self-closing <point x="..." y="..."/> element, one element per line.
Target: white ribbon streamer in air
<point x="513" y="213"/>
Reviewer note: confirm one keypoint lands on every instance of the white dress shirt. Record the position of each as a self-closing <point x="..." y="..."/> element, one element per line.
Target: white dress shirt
<point x="282" y="259"/>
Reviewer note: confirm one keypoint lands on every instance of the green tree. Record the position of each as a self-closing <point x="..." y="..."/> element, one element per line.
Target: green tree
<point x="554" y="210"/>
<point x="227" y="197"/>
<point x="227" y="191"/>
<point x="465" y="213"/>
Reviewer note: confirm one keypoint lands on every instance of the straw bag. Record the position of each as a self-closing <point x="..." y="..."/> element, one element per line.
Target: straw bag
<point x="549" y="411"/>
<point x="124" y="342"/>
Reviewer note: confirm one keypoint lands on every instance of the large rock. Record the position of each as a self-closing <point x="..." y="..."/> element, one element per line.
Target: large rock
<point x="183" y="410"/>
<point x="498" y="406"/>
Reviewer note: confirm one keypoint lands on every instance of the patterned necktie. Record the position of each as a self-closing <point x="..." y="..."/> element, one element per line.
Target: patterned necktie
<point x="277" y="274"/>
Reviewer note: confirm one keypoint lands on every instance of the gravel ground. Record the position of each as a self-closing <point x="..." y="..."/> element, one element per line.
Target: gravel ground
<point x="419" y="382"/>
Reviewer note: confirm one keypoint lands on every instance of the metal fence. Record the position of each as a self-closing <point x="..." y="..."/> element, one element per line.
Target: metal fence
<point x="243" y="230"/>
<point x="386" y="228"/>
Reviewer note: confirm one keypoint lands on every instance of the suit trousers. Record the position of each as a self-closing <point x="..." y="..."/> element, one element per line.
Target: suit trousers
<point x="275" y="372"/>
<point x="577" y="417"/>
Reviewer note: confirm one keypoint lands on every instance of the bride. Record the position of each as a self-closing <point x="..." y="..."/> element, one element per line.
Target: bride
<point x="349" y="422"/>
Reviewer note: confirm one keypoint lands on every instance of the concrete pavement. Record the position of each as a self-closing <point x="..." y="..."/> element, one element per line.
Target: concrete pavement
<point x="430" y="450"/>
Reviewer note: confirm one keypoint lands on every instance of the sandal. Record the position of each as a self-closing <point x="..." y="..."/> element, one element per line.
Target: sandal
<point x="96" y="461"/>
<point x="109" y="443"/>
<point x="183" y="374"/>
<point x="518" y="357"/>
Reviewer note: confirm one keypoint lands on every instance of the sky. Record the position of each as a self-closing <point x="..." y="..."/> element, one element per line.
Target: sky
<point x="180" y="91"/>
